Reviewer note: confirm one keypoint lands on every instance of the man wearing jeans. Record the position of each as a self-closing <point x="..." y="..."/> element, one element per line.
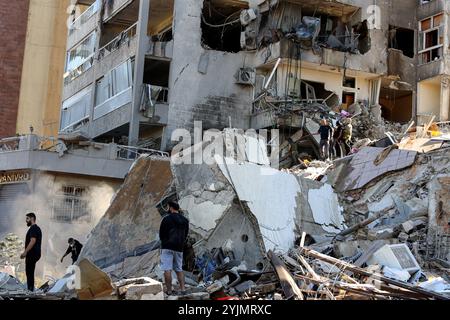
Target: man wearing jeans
<point x="173" y="233"/>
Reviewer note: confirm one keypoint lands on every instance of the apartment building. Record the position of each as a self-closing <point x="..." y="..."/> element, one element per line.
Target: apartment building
<point x="13" y="27"/>
<point x="433" y="67"/>
<point x="138" y="69"/>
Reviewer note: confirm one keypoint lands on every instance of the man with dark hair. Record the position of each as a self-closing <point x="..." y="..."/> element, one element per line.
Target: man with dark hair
<point x="32" y="252"/>
<point x="173" y="233"/>
<point x="74" y="248"/>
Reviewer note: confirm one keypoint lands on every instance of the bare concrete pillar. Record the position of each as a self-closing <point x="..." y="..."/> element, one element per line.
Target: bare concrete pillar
<point x="139" y="62"/>
<point x="445" y="99"/>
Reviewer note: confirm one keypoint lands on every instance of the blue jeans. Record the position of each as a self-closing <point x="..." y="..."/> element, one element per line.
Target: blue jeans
<point x="171" y="260"/>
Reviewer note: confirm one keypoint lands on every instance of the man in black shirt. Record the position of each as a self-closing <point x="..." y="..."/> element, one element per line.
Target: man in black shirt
<point x="32" y="252"/>
<point x="173" y="233"/>
<point x="326" y="133"/>
<point x="74" y="248"/>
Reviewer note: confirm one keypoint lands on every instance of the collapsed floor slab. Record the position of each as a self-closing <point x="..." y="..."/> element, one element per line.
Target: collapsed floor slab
<point x="130" y="226"/>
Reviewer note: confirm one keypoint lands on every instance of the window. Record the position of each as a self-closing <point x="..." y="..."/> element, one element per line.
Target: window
<point x="114" y="82"/>
<point x="82" y="52"/>
<point x="71" y="205"/>
<point x="76" y="108"/>
<point x="431" y="39"/>
<point x="349" y="82"/>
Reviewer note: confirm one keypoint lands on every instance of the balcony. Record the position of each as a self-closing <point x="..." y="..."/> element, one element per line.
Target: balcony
<point x="155" y="104"/>
<point x="430" y="9"/>
<point x="116" y="51"/>
<point x="83" y="25"/>
<point x="117" y="6"/>
<point x="160" y="49"/>
<point x="119" y="100"/>
<point x="329" y="59"/>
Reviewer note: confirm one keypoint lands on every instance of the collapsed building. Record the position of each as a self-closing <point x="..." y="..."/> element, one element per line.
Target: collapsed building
<point x="136" y="70"/>
<point x="381" y="213"/>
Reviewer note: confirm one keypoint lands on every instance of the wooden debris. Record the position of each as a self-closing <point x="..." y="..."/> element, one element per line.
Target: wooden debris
<point x="290" y="288"/>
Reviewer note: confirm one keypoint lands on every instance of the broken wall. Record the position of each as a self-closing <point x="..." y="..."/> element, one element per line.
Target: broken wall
<point x="202" y="84"/>
<point x="131" y="223"/>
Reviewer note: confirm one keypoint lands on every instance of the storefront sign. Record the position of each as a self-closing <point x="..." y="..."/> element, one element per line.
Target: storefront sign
<point x="14" y="177"/>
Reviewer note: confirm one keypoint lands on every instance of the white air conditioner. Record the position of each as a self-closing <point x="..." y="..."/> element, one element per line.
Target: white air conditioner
<point x="247" y="16"/>
<point x="246" y="76"/>
<point x="397" y="256"/>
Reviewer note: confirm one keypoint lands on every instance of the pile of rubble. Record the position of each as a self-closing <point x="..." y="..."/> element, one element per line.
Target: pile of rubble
<point x="372" y="225"/>
<point x="10" y="249"/>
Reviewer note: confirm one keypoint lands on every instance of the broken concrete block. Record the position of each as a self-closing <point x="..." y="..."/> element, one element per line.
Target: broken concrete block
<point x="417" y="208"/>
<point x="172" y="298"/>
<point x="94" y="282"/>
<point x="393" y="273"/>
<point x="384" y="233"/>
<point x="403" y="237"/>
<point x="408" y="226"/>
<point x="158" y="296"/>
<point x="151" y="288"/>
<point x="414" y="236"/>
<point x="216" y="286"/>
<point x="244" y="286"/>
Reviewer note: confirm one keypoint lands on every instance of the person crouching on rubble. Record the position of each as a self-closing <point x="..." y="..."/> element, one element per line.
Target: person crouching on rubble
<point x="74" y="248"/>
<point x="326" y="133"/>
<point x="173" y="234"/>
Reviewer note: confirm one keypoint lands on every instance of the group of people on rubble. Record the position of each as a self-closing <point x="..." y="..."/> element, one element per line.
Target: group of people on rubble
<point x="173" y="236"/>
<point x="32" y="252"/>
<point x="335" y="140"/>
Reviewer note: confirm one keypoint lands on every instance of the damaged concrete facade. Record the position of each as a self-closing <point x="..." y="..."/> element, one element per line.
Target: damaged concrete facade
<point x="433" y="64"/>
<point x="150" y="67"/>
<point x="67" y="185"/>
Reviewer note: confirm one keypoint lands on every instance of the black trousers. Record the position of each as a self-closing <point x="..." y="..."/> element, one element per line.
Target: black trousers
<point x="30" y="266"/>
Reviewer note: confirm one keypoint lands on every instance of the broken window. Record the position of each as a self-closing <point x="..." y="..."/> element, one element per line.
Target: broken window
<point x="81" y="53"/>
<point x="114" y="82"/>
<point x="431" y="39"/>
<point x="71" y="205"/>
<point x="221" y="26"/>
<point x="349" y="82"/>
<point x="402" y="39"/>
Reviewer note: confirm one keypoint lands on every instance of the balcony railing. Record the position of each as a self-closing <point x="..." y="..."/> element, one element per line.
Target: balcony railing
<point x="128" y="152"/>
<point x="86" y="65"/>
<point x="84" y="17"/>
<point x="124" y="37"/>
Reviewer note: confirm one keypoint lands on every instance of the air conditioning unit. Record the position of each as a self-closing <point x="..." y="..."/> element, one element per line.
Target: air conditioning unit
<point x="247" y="16"/>
<point x="246" y="76"/>
<point x="248" y="39"/>
<point x="397" y="256"/>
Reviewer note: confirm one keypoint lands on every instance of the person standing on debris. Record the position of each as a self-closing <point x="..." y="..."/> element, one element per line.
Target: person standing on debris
<point x="173" y="234"/>
<point x="326" y="133"/>
<point x="32" y="253"/>
<point x="337" y="138"/>
<point x="347" y="134"/>
<point x="74" y="248"/>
